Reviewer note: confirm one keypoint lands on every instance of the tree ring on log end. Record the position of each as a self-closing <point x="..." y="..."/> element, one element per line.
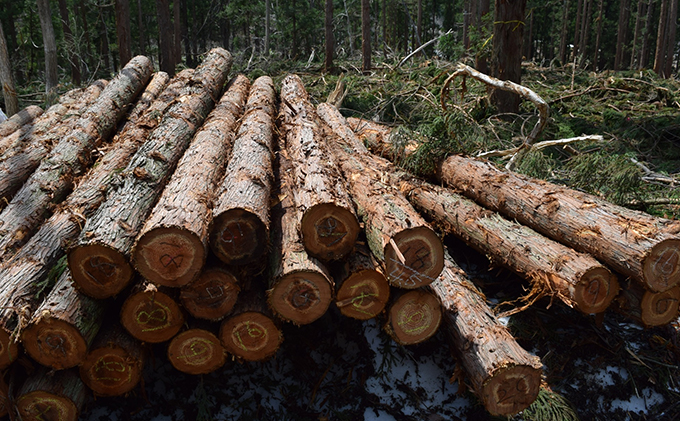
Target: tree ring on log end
<point x="511" y="389"/>
<point x="169" y="256"/>
<point x="238" y="237"/>
<point x="212" y="295"/>
<point x="54" y="343"/>
<point x="99" y="271"/>
<point x="196" y="351"/>
<point x="414" y="317"/>
<point x="660" y="308"/>
<point x="329" y="231"/>
<point x="9" y="349"/>
<point x="151" y="316"/>
<point x="661" y="268"/>
<point x="301" y="297"/>
<point x="423" y="258"/>
<point x="251" y="336"/>
<point x="110" y="371"/>
<point x="596" y="289"/>
<point x="42" y="405"/>
<point x="363" y="295"/>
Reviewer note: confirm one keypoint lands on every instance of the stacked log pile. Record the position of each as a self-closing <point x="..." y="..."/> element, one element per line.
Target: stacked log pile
<point x="205" y="227"/>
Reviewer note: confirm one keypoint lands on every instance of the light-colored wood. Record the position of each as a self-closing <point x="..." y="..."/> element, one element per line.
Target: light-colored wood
<point x="413" y="317"/>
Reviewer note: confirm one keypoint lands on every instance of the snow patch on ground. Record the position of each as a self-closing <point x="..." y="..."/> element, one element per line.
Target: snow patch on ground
<point x="639" y="404"/>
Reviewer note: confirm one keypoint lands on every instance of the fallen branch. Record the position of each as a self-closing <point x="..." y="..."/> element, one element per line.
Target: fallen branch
<point x="422" y="47"/>
<point x="541" y="145"/>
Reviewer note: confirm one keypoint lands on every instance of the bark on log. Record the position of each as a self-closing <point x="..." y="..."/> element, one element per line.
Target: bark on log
<point x="14" y="123"/>
<point x="54" y="178"/>
<point x="363" y="291"/>
<point x="99" y="262"/>
<point x="196" y="351"/>
<point x="328" y="222"/>
<point x="504" y="376"/>
<point x="647" y="307"/>
<point x="159" y="81"/>
<point x="239" y="234"/>
<point x="382" y="139"/>
<point x="389" y="218"/>
<point x="633" y="243"/>
<point x="212" y="295"/>
<point x="251" y="333"/>
<point x="301" y="289"/>
<point x="173" y="244"/>
<point x="114" y="365"/>
<point x="63" y="327"/>
<point x="48" y="395"/>
<point x="413" y="317"/>
<point x="151" y="314"/>
<point x="575" y="278"/>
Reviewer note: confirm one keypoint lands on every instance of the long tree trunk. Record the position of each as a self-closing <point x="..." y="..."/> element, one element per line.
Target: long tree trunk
<point x="636" y="35"/>
<point x="60" y="396"/>
<point x="563" y="33"/>
<point x="413" y="317"/>
<point x="240" y="230"/>
<point x="622" y="34"/>
<point x="196" y="351"/>
<point x="9" y="92"/>
<point x="151" y="314"/>
<point x="172" y="246"/>
<point x="633" y="243"/>
<point x="662" y="38"/>
<point x="646" y="307"/>
<point x="411" y="251"/>
<point x="328" y="222"/>
<point x="507" y="51"/>
<point x="577" y="29"/>
<point x="329" y="38"/>
<point x="70" y="42"/>
<point x="585" y="27"/>
<point x="481" y="60"/>
<point x="647" y="37"/>
<point x="167" y="63"/>
<point x="21" y="120"/>
<point x="50" y="47"/>
<point x="123" y="31"/>
<point x="100" y="260"/>
<point x="212" y="295"/>
<point x="365" y="35"/>
<point x="268" y="24"/>
<point x="140" y="29"/>
<point x="670" y="35"/>
<point x="598" y="36"/>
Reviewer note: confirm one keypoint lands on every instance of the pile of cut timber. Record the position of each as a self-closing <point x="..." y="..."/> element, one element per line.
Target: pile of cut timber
<point x="205" y="226"/>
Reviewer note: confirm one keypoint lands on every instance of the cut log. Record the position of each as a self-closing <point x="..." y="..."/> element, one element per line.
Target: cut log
<point x="99" y="261"/>
<point x="113" y="367"/>
<point x="250" y="333"/>
<point x="575" y="278"/>
<point x="151" y="314"/>
<point x="54" y="178"/>
<point x="196" y="351"/>
<point x="173" y="244"/>
<point x="328" y="222"/>
<point x="389" y="219"/>
<point x="413" y="317"/>
<point x="240" y="231"/>
<point x="383" y="140"/>
<point x="633" y="243"/>
<point x="647" y="307"/>
<point x="18" y="120"/>
<point x="301" y="288"/>
<point x="212" y="295"/>
<point x="17" y="164"/>
<point x="64" y="326"/>
<point x="48" y="395"/>
<point x="159" y="81"/>
<point x="363" y="291"/>
<point x="504" y="376"/>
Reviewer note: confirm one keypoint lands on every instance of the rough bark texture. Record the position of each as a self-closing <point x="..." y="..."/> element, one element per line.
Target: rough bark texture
<point x="504" y="376"/>
<point x="328" y="222"/>
<point x="506" y="64"/>
<point x="173" y="244"/>
<point x="633" y="243"/>
<point x="301" y="288"/>
<point x="64" y="326"/>
<point x="151" y="315"/>
<point x="49" y="45"/>
<point x="167" y="63"/>
<point x="99" y="262"/>
<point x="646" y="307"/>
<point x="123" y="31"/>
<point x="196" y="351"/>
<point x="9" y="92"/>
<point x="114" y="364"/>
<point x="51" y="396"/>
<point x="240" y="229"/>
<point x="413" y="317"/>
<point x="212" y="295"/>
<point x="16" y="121"/>
<point x="389" y="218"/>
<point x="382" y="141"/>
<point x="576" y="278"/>
<point x="250" y="333"/>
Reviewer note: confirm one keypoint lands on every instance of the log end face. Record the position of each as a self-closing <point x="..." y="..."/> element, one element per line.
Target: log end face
<point x="99" y="271"/>
<point x="301" y="297"/>
<point x="596" y="290"/>
<point x="54" y="343"/>
<point x="111" y="371"/>
<point x="660" y="308"/>
<point x="419" y="260"/>
<point x="363" y="295"/>
<point x="238" y="237"/>
<point x="196" y="351"/>
<point x="251" y="336"/>
<point x="42" y="405"/>
<point x="9" y="349"/>
<point x="414" y="317"/>
<point x="169" y="256"/>
<point x="511" y="389"/>
<point x="329" y="231"/>
<point x="212" y="295"/>
<point x="661" y="267"/>
<point x="151" y="316"/>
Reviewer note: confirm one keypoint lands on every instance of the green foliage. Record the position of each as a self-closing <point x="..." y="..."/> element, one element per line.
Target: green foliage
<point x="550" y="406"/>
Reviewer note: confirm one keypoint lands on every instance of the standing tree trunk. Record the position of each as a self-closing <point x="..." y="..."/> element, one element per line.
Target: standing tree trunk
<point x="661" y="38"/>
<point x="563" y="33"/>
<point x="140" y="29"/>
<point x="50" y="46"/>
<point x="577" y="29"/>
<point x="123" y="31"/>
<point x="177" y="25"/>
<point x="636" y="35"/>
<point x="647" y="37"/>
<point x="366" y="35"/>
<point x="165" y="37"/>
<point x="268" y="24"/>
<point x="670" y="43"/>
<point x="419" y="25"/>
<point x="598" y="36"/>
<point x="507" y="51"/>
<point x="585" y="27"/>
<point x="481" y="60"/>
<point x="622" y="34"/>
<point x="70" y="43"/>
<point x="330" y="40"/>
<point x="9" y="92"/>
